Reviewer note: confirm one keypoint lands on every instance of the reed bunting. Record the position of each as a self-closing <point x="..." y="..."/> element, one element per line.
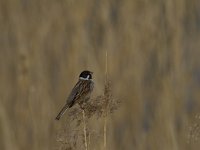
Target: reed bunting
<point x="80" y="93"/>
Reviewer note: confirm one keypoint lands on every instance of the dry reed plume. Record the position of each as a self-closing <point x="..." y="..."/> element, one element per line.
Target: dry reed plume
<point x="95" y="108"/>
<point x="194" y="130"/>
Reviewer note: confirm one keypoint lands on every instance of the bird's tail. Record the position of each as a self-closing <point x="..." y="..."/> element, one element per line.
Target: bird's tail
<point x="62" y="111"/>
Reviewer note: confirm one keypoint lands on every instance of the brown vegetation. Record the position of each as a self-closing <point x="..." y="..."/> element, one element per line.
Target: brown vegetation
<point x="153" y="65"/>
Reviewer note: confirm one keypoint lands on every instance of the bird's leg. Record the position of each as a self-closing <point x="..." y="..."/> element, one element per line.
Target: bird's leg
<point x="81" y="104"/>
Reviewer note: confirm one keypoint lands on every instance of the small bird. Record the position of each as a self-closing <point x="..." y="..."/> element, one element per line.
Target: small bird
<point x="80" y="93"/>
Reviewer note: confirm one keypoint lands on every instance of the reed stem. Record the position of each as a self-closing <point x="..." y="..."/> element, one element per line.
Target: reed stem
<point x="84" y="130"/>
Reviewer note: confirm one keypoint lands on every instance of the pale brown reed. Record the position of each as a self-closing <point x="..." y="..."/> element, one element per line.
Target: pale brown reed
<point x="98" y="107"/>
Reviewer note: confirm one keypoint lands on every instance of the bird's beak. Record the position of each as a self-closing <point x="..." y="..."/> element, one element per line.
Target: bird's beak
<point x="91" y="72"/>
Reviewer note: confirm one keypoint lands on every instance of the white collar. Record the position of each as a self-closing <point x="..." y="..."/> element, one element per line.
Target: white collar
<point x="81" y="78"/>
<point x="85" y="78"/>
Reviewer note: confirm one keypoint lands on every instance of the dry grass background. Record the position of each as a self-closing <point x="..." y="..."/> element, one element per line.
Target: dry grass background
<point x="153" y="64"/>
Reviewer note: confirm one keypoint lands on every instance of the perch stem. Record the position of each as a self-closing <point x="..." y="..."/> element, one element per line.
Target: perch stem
<point x="105" y="133"/>
<point x="84" y="130"/>
<point x="105" y="111"/>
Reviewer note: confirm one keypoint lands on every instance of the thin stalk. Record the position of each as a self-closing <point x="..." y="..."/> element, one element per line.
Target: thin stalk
<point x="105" y="111"/>
<point x="106" y="67"/>
<point x="89" y="136"/>
<point x="105" y="133"/>
<point x="84" y="130"/>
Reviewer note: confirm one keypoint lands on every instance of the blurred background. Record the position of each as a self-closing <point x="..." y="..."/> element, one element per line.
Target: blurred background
<point x="153" y="65"/>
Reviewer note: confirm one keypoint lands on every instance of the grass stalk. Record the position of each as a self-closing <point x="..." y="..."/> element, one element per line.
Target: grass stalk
<point x="105" y="111"/>
<point x="105" y="133"/>
<point x="84" y="130"/>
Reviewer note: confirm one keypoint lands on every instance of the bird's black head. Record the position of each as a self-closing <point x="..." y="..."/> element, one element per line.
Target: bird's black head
<point x="86" y="75"/>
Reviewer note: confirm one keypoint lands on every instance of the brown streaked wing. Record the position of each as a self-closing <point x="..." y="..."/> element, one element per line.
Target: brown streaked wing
<point x="80" y="90"/>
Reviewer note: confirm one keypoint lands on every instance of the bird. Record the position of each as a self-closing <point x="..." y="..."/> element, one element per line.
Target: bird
<point x="80" y="93"/>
